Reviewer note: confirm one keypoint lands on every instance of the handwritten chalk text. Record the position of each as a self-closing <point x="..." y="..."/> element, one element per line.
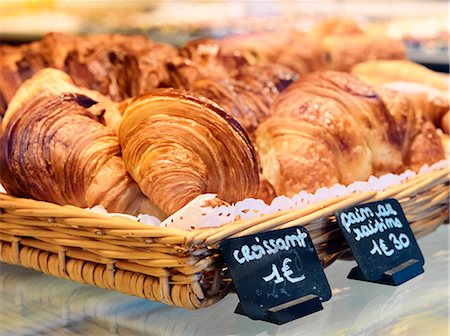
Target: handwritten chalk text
<point x="268" y="247"/>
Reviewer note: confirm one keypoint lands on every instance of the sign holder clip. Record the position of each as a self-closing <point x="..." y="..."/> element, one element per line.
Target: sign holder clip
<point x="287" y="311"/>
<point x="394" y="276"/>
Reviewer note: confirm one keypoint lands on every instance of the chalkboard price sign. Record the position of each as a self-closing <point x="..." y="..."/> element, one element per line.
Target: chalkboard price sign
<point x="382" y="242"/>
<point x="277" y="274"/>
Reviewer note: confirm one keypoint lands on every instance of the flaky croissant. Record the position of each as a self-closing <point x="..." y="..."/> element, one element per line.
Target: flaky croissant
<point x="203" y="59"/>
<point x="56" y="147"/>
<point x="178" y="145"/>
<point x="52" y="82"/>
<point x="420" y="143"/>
<point x="427" y="89"/>
<point x="248" y="95"/>
<point x="330" y="127"/>
<point x="118" y="66"/>
<point x="378" y="72"/>
<point x="343" y="52"/>
<point x="299" y="52"/>
<point x="210" y="68"/>
<point x="17" y="64"/>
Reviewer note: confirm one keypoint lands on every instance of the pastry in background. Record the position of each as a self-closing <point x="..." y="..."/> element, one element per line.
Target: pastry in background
<point x="427" y="89"/>
<point x="298" y="51"/>
<point x="249" y="94"/>
<point x="445" y="122"/>
<point x="343" y="52"/>
<point x="118" y="66"/>
<point x="336" y="25"/>
<point x="333" y="44"/>
<point x="385" y="71"/>
<point x="17" y="64"/>
<point x="229" y="78"/>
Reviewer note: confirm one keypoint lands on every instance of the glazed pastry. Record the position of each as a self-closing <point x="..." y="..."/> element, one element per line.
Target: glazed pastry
<point x="17" y="64"/>
<point x="432" y="102"/>
<point x="52" y="82"/>
<point x="118" y="66"/>
<point x="343" y="52"/>
<point x="300" y="52"/>
<point x="378" y="72"/>
<point x="330" y="127"/>
<point x="203" y="59"/>
<point x="359" y="111"/>
<point x="426" y="88"/>
<point x="247" y="96"/>
<point x="224" y="75"/>
<point x="420" y="143"/>
<point x="178" y="145"/>
<point x="56" y="147"/>
<point x="445" y="122"/>
<point x="336" y="26"/>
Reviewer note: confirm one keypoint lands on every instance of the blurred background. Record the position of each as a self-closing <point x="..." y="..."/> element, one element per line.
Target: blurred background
<point x="422" y="25"/>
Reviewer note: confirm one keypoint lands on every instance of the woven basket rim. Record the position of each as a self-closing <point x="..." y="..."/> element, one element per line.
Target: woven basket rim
<point x="123" y="226"/>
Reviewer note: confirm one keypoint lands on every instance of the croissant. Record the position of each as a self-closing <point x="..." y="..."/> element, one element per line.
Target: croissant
<point x="17" y="64"/>
<point x="56" y="147"/>
<point x="178" y="145"/>
<point x="119" y="66"/>
<point x="248" y="95"/>
<point x="336" y="26"/>
<point x="378" y="72"/>
<point x="330" y="127"/>
<point x="431" y="102"/>
<point x="203" y="59"/>
<point x="343" y="52"/>
<point x="445" y="122"/>
<point x="52" y="82"/>
<point x="427" y="89"/>
<point x="299" y="52"/>
<point x="421" y="143"/>
<point x="245" y="90"/>
<point x="296" y="155"/>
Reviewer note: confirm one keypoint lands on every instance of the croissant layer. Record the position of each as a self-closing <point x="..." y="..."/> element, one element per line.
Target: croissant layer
<point x="178" y="145"/>
<point x="58" y="148"/>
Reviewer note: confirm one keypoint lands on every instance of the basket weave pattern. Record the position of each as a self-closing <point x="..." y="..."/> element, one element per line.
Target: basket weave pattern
<point x="175" y="266"/>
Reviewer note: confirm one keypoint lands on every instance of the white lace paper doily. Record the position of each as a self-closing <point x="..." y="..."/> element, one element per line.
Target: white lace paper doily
<point x="195" y="215"/>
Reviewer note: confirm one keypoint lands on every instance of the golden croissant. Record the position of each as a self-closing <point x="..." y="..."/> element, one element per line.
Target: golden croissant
<point x="330" y="127"/>
<point x="203" y="59"/>
<point x="119" y="66"/>
<point x="178" y="145"/>
<point x="56" y="147"/>
<point x="343" y="52"/>
<point x="385" y="71"/>
<point x="248" y="95"/>
<point x="427" y="89"/>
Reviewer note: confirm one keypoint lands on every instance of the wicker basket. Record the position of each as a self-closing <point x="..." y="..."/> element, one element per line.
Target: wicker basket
<point x="175" y="266"/>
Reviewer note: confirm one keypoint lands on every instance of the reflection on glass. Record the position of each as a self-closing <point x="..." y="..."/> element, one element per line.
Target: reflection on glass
<point x="35" y="304"/>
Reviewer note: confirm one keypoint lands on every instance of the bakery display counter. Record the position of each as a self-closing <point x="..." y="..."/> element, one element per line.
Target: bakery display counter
<point x="129" y="160"/>
<point x="35" y="304"/>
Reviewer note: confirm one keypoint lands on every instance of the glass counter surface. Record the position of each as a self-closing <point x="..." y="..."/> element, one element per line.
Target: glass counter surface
<point x="32" y="303"/>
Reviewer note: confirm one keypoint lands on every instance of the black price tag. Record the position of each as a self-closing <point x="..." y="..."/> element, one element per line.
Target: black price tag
<point x="382" y="242"/>
<point x="277" y="274"/>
